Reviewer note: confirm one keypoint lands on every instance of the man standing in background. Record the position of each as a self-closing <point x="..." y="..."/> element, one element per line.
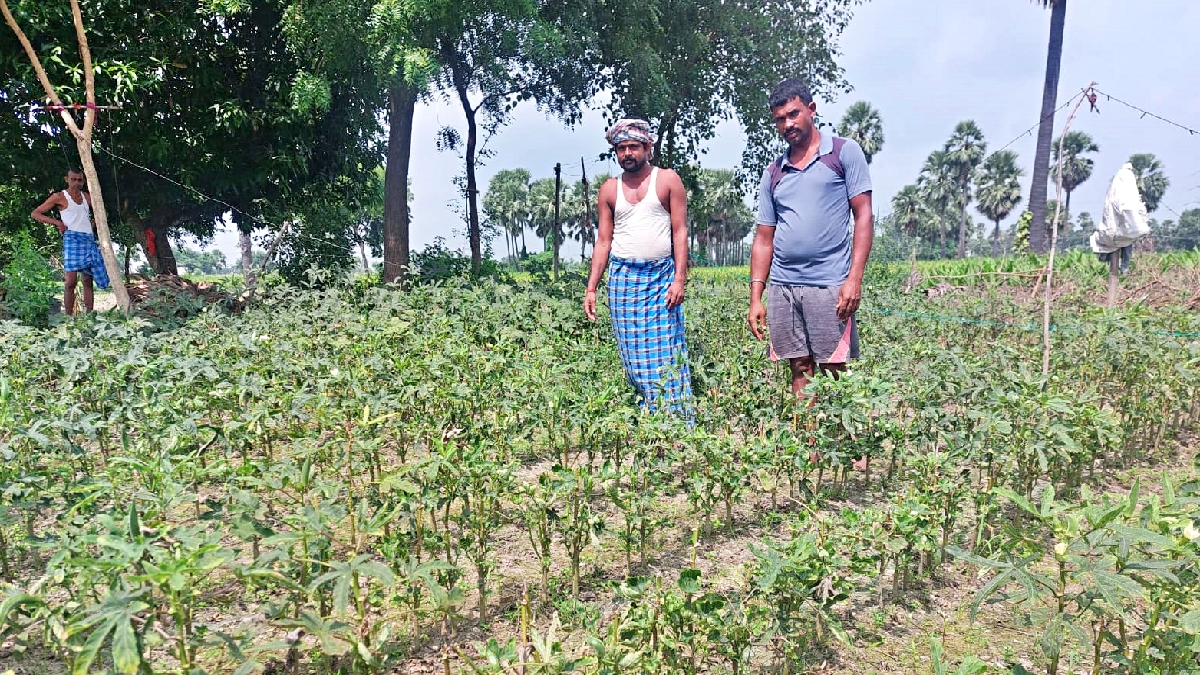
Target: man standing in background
<point x="81" y="255"/>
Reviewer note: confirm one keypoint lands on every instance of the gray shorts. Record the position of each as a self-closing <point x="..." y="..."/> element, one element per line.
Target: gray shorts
<point x="803" y="322"/>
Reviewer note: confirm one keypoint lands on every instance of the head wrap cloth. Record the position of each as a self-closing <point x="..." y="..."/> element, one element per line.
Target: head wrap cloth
<point x="630" y="129"/>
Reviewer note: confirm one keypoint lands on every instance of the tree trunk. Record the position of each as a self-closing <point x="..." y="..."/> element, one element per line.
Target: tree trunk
<point x="100" y="216"/>
<point x="156" y="244"/>
<point x="402" y="103"/>
<point x="247" y="246"/>
<point x="557" y="224"/>
<point x="459" y="75"/>
<point x="1066" y="221"/>
<point x="941" y="237"/>
<point x="1041" y="162"/>
<point x="362" y="252"/>
<point x="996" y="240"/>
<point x="962" y="222"/>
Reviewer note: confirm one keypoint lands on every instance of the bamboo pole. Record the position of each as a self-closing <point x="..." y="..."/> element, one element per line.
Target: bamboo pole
<point x="1058" y="204"/>
<point x="1114" y="268"/>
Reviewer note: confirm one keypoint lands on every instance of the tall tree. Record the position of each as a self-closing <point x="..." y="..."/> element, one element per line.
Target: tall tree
<point x="863" y="125"/>
<point x="1184" y="234"/>
<point x="502" y="52"/>
<point x="718" y="214"/>
<point x="506" y="205"/>
<point x="910" y="212"/>
<point x="541" y="210"/>
<point x="1076" y="167"/>
<point x="1041" y="162"/>
<point x="998" y="187"/>
<point x="939" y="190"/>
<point x="391" y="42"/>
<point x="1151" y="180"/>
<point x="964" y="151"/>
<point x="686" y="65"/>
<point x="578" y="221"/>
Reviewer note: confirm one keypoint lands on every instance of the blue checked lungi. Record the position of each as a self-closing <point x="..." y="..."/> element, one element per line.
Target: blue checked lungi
<point x="81" y="254"/>
<point x="650" y="336"/>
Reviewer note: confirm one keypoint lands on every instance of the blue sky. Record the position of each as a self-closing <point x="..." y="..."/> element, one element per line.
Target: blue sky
<point x="926" y="65"/>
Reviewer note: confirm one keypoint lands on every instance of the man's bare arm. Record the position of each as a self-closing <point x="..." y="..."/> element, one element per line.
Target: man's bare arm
<point x="679" y="237"/>
<point x="41" y="214"/>
<point x="604" y="231"/>
<point x="864" y="233"/>
<point x="760" y="268"/>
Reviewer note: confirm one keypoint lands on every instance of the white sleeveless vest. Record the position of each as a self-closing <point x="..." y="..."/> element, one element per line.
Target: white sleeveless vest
<point x="77" y="217"/>
<point x="641" y="231"/>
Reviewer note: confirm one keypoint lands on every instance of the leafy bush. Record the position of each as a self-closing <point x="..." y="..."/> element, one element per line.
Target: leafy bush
<point x="27" y="285"/>
<point x="437" y="262"/>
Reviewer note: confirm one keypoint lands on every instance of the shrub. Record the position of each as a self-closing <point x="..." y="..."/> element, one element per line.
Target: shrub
<point x="27" y="284"/>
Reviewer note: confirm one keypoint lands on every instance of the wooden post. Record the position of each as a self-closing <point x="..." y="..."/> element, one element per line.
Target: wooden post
<point x="83" y="140"/>
<point x="587" y="214"/>
<point x="557" y="196"/>
<point x="1114" y="269"/>
<point x="1054" y="234"/>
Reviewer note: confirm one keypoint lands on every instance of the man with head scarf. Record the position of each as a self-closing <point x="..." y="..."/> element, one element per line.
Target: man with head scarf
<point x="642" y="238"/>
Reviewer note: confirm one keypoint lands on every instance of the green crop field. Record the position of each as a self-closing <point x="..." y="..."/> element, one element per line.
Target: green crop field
<point x="455" y="479"/>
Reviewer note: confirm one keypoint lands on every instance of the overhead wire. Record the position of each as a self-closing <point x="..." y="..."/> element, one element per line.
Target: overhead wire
<point x="226" y="204"/>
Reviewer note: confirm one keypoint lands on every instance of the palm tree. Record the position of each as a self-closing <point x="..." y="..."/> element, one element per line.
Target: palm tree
<point x="541" y="209"/>
<point x="909" y="211"/>
<point x="938" y="191"/>
<point x="863" y="125"/>
<point x="717" y="206"/>
<point x="998" y="187"/>
<point x="1041" y="160"/>
<point x="1075" y="167"/>
<point x="1151" y="180"/>
<point x="964" y="151"/>
<point x="506" y="204"/>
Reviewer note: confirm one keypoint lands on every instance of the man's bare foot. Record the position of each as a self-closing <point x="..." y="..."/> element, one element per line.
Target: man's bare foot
<point x="860" y="464"/>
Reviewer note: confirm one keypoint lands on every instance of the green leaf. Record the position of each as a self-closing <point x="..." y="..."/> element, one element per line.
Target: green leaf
<point x="991" y="587"/>
<point x="135" y="524"/>
<point x="1168" y="488"/>
<point x="689" y="580"/>
<point x="1020" y="501"/>
<point x="1131" y="504"/>
<point x="1190" y="622"/>
<point x="126" y="655"/>
<point x="247" y="668"/>
<point x="91" y="647"/>
<point x="977" y="560"/>
<point x="971" y="665"/>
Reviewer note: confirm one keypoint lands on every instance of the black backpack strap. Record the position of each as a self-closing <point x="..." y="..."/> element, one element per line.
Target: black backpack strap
<point x="834" y="159"/>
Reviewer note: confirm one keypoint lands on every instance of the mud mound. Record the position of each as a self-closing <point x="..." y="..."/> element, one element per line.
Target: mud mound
<point x="167" y="295"/>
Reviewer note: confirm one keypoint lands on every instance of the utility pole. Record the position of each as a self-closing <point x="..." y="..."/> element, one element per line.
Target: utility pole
<point x="557" y="196"/>
<point x="587" y="213"/>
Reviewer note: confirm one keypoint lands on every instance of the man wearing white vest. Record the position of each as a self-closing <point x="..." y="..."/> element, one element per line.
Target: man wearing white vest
<point x="643" y="225"/>
<point x="81" y="255"/>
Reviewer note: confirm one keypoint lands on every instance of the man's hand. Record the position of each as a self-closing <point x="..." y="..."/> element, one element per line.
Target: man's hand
<point x="757" y="318"/>
<point x="675" y="294"/>
<point x="848" y="299"/>
<point x="589" y="305"/>
<point x="62" y="229"/>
